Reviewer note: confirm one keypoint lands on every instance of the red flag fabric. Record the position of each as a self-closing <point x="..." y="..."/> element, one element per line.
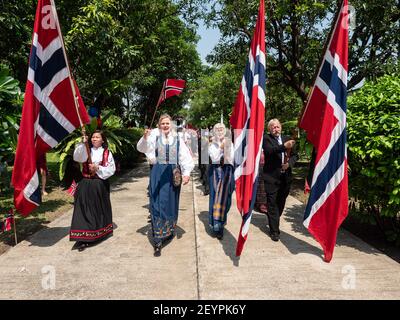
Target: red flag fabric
<point x="7" y="223"/>
<point x="171" y="87"/>
<point x="247" y="120"/>
<point x="324" y="120"/>
<point x="49" y="113"/>
<point x="71" y="190"/>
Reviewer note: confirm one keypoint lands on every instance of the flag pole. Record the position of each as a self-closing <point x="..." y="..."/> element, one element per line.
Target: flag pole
<point x="83" y="130"/>
<point x="158" y="103"/>
<point x="15" y="231"/>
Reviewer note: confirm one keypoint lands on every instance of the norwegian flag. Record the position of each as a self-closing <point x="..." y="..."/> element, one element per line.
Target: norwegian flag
<point x="324" y="120"/>
<point x="71" y="190"/>
<point x="6" y="224"/>
<point x="247" y="120"/>
<point x="171" y="87"/>
<point x="49" y="113"/>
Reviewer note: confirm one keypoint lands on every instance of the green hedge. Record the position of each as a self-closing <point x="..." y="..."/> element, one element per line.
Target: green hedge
<point x="373" y="154"/>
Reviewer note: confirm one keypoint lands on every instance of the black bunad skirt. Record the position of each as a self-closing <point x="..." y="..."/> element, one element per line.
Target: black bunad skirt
<point x="92" y="217"/>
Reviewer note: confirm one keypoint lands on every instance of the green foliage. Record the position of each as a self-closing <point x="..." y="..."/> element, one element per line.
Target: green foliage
<point x="128" y="156"/>
<point x="126" y="49"/>
<point x="295" y="35"/>
<point x="120" y="141"/>
<point x="373" y="137"/>
<point x="122" y="49"/>
<point x="10" y="100"/>
<point x="214" y="94"/>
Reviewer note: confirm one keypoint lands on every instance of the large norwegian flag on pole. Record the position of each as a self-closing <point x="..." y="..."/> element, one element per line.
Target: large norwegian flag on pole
<point x="49" y="112"/>
<point x="324" y="120"/>
<point x="247" y="120"/>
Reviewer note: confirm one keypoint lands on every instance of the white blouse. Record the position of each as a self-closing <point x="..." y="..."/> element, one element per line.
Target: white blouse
<point x="80" y="155"/>
<point x="216" y="152"/>
<point x="148" y="147"/>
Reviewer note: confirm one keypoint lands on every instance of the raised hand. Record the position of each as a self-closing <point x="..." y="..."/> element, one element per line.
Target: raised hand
<point x="146" y="133"/>
<point x="289" y="144"/>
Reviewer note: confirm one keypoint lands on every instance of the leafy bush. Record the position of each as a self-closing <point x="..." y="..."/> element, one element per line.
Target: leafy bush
<point x="129" y="156"/>
<point x="374" y="149"/>
<point x="10" y="107"/>
<point x="121" y="143"/>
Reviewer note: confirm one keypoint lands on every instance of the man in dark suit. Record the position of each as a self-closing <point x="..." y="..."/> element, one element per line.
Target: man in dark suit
<point x="279" y="157"/>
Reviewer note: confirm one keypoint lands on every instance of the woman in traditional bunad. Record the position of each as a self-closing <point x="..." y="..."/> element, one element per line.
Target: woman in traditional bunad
<point x="165" y="151"/>
<point x="92" y="217"/>
<point x="221" y="179"/>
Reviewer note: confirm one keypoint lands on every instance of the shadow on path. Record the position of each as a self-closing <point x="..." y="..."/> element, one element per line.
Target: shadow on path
<point x="294" y="216"/>
<point x="48" y="237"/>
<point x="146" y="231"/>
<point x="228" y="242"/>
<point x="293" y="244"/>
<point x="141" y="171"/>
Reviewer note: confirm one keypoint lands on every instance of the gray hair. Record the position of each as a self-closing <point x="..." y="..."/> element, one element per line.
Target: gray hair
<point x="273" y="121"/>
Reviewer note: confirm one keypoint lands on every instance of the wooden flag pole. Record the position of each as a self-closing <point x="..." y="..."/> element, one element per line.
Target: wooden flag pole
<point x="158" y="103"/>
<point x="15" y="231"/>
<point x="83" y="130"/>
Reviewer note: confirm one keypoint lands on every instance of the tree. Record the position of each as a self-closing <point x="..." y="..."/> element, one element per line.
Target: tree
<point x="214" y="94"/>
<point x="16" y="25"/>
<point x="296" y="32"/>
<point x="122" y="49"/>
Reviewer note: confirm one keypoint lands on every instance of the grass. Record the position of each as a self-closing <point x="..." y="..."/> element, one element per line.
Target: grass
<point x="57" y="202"/>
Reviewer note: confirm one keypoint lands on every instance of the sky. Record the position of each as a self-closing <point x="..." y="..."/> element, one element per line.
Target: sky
<point x="209" y="38"/>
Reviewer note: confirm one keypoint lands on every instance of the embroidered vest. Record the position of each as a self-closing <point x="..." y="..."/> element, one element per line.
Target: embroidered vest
<point x="103" y="163"/>
<point x="165" y="153"/>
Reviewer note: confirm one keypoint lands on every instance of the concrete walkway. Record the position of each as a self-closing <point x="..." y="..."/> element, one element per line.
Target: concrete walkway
<point x="194" y="265"/>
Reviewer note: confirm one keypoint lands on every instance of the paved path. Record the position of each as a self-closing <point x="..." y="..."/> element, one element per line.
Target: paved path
<point x="194" y="265"/>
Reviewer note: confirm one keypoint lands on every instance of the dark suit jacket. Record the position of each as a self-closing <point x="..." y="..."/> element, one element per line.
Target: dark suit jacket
<point x="273" y="160"/>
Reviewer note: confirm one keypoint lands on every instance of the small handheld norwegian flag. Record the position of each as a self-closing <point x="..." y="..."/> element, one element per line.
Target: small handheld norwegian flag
<point x="171" y="87"/>
<point x="6" y="224"/>
<point x="71" y="190"/>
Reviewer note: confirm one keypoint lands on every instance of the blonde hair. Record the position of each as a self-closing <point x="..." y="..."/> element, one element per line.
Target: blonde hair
<point x="172" y="127"/>
<point x="163" y="116"/>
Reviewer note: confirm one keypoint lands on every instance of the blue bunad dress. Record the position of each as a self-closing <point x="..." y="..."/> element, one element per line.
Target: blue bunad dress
<point x="163" y="153"/>
<point x="222" y="185"/>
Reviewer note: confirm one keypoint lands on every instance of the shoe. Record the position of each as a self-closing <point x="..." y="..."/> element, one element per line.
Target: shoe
<point x="220" y="236"/>
<point x="82" y="246"/>
<point x="157" y="250"/>
<point x="275" y="237"/>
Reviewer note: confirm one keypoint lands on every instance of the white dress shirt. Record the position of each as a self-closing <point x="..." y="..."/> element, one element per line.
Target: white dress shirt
<point x="103" y="172"/>
<point x="216" y="152"/>
<point x="279" y="138"/>
<point x="148" y="147"/>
